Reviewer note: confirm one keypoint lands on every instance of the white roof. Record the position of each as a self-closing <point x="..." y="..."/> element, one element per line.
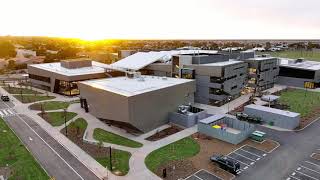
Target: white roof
<point x="57" y="68"/>
<point x="142" y="59"/>
<point x="223" y="63"/>
<point x="308" y="65"/>
<point x="212" y="119"/>
<point x="273" y="110"/>
<point x="133" y="86"/>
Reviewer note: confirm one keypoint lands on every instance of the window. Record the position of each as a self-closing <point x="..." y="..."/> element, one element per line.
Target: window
<point x="216" y="79"/>
<point x="39" y="78"/>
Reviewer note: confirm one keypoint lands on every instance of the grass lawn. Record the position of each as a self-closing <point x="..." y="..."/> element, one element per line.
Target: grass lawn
<point x="57" y="118"/>
<point x="16" y="90"/>
<point x="120" y="161"/>
<point x="309" y="55"/>
<point x="79" y="123"/>
<point x="105" y="136"/>
<point x="21" y="163"/>
<point x="178" y="150"/>
<point x="32" y="98"/>
<point x="50" y="105"/>
<point x="300" y="101"/>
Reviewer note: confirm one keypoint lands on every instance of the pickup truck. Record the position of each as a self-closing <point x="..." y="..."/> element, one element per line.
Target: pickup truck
<point x="226" y="163"/>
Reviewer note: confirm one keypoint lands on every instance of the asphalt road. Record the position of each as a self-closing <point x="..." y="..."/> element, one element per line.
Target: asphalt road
<point x="295" y="148"/>
<point x="53" y="157"/>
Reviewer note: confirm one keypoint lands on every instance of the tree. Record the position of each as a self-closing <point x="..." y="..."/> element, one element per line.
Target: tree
<point x="7" y="50"/>
<point x="268" y="45"/>
<point x="11" y="64"/>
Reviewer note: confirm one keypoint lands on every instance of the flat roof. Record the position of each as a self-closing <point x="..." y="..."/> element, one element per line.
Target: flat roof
<point x="273" y="110"/>
<point x="305" y="64"/>
<point x="260" y="58"/>
<point x="57" y="68"/>
<point x="223" y="63"/>
<point x="133" y="86"/>
<point x="212" y="119"/>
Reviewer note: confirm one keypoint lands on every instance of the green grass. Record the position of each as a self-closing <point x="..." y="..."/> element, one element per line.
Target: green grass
<point x="16" y="90"/>
<point x="57" y="118"/>
<point x="178" y="150"/>
<point x="50" y="105"/>
<point x="300" y="101"/>
<point x="20" y="161"/>
<point x="105" y="136"/>
<point x="32" y="98"/>
<point x="120" y="161"/>
<point x="309" y="55"/>
<point x="79" y="123"/>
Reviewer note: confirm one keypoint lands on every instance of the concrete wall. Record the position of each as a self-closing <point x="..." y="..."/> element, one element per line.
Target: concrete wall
<point x="145" y="111"/>
<point x="185" y="120"/>
<point x="291" y="81"/>
<point x="245" y="128"/>
<point x="278" y="119"/>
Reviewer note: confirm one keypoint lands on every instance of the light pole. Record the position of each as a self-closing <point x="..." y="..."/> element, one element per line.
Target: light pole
<point x="229" y="99"/>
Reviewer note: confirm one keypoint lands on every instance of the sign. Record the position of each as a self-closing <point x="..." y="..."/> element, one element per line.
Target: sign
<point x="309" y="85"/>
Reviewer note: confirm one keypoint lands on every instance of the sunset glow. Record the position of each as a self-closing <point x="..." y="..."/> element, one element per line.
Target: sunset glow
<point x="165" y="19"/>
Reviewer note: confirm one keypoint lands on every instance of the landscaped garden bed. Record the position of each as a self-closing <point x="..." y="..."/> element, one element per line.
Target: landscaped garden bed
<point x="16" y="90"/>
<point x="307" y="103"/>
<point x="120" y="159"/>
<point x="109" y="137"/>
<point x="15" y="160"/>
<point x="49" y="105"/>
<point x="164" y="133"/>
<point x="57" y="118"/>
<point x="181" y="160"/>
<point x="32" y="98"/>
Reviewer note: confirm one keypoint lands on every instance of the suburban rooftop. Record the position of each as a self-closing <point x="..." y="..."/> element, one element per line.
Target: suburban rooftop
<point x="133" y="86"/>
<point x="308" y="65"/>
<point x="57" y="68"/>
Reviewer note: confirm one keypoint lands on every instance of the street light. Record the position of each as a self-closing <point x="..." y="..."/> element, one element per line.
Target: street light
<point x="229" y="99"/>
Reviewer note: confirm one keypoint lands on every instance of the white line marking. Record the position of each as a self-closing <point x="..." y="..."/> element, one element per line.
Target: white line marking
<point x="51" y="148"/>
<point x="245" y="167"/>
<point x="307" y="175"/>
<point x="258" y="159"/>
<point x="294" y="178"/>
<point x="312" y="163"/>
<point x="264" y="155"/>
<point x="293" y="174"/>
<point x="239" y="161"/>
<point x="288" y="178"/>
<point x="310" y="169"/>
<point x="244" y="156"/>
<point x="250" y="152"/>
<point x="298" y="168"/>
<point x="1" y="114"/>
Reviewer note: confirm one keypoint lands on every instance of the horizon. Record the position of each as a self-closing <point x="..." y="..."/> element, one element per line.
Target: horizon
<point x="163" y="20"/>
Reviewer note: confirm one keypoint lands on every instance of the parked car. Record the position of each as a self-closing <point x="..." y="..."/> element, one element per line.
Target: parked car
<point x="5" y="98"/>
<point x="226" y="163"/>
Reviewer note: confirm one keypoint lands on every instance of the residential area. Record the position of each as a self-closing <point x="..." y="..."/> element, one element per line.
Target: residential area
<point x="188" y="113"/>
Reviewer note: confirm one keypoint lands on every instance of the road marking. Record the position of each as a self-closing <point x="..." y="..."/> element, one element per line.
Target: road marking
<point x="251" y="153"/>
<point x="293" y="174"/>
<point x="310" y="169"/>
<point x="51" y="148"/>
<point x="312" y="163"/>
<point x="307" y="175"/>
<point x="245" y="167"/>
<point x="294" y="178"/>
<point x="30" y="139"/>
<point x="239" y="161"/>
<point x="298" y="168"/>
<point x="244" y="156"/>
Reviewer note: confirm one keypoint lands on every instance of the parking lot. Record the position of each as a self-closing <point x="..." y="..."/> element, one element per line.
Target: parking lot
<point x="203" y="175"/>
<point x="306" y="170"/>
<point x="247" y="156"/>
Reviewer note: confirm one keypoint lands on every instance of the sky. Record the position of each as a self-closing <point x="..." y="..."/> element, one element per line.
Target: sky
<point x="162" y="19"/>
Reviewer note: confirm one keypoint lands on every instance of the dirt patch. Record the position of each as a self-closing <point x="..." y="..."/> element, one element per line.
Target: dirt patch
<point x="164" y="133"/>
<point x="5" y="172"/>
<point x="316" y="156"/>
<point x="177" y="169"/>
<point x="208" y="147"/>
<point x="312" y="116"/>
<point x="46" y="117"/>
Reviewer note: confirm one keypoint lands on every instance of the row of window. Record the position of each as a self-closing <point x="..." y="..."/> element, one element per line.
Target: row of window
<point x="39" y="78"/>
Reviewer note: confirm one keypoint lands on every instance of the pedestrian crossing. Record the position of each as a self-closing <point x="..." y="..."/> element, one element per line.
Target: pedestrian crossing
<point x="7" y="112"/>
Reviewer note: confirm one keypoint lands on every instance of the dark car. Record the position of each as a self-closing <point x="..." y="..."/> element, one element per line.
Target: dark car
<point x="226" y="163"/>
<point x="5" y="98"/>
